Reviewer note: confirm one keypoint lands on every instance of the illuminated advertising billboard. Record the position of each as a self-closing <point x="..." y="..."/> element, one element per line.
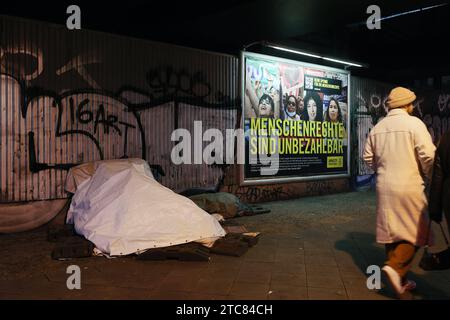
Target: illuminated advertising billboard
<point x="295" y="118"/>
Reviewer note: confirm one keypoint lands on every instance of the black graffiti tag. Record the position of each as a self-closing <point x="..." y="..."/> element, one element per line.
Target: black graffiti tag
<point x="253" y="194"/>
<point x="86" y="116"/>
<point x="319" y="187"/>
<point x="168" y="82"/>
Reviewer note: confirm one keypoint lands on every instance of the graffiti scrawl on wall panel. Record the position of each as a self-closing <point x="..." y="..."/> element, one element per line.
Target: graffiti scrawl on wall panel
<point x="252" y="194"/>
<point x="69" y="98"/>
<point x="12" y="164"/>
<point x="28" y="70"/>
<point x="211" y="118"/>
<point x="431" y="106"/>
<point x="369" y="107"/>
<point x="435" y="112"/>
<point x="80" y="127"/>
<point x="158" y="124"/>
<point x="37" y="123"/>
<point x="66" y="130"/>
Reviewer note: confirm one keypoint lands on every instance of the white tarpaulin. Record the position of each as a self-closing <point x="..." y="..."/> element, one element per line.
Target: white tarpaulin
<point x="122" y="209"/>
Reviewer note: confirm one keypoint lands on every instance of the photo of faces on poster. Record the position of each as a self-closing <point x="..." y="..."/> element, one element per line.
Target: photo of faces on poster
<point x="308" y="108"/>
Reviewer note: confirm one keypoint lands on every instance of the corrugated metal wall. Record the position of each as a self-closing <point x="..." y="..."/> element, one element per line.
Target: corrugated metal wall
<point x="368" y="107"/>
<point x="68" y="97"/>
<point x="368" y="101"/>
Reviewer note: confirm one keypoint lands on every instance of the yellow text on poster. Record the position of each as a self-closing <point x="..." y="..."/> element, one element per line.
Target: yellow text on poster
<point x="335" y="162"/>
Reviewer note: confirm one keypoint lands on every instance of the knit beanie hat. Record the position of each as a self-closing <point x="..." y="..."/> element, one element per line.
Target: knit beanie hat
<point x="400" y="97"/>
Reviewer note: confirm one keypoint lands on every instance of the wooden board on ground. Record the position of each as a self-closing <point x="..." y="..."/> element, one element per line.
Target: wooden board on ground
<point x="185" y="252"/>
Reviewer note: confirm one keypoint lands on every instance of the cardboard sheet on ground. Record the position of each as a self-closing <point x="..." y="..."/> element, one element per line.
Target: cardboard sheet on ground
<point x="122" y="209"/>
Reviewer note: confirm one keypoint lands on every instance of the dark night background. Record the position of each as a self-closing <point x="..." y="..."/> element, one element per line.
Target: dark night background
<point x="410" y="48"/>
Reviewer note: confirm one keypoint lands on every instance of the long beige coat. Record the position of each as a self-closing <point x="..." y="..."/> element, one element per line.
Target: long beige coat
<point x="401" y="152"/>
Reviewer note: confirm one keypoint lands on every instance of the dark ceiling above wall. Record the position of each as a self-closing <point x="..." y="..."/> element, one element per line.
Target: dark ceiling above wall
<point x="408" y="47"/>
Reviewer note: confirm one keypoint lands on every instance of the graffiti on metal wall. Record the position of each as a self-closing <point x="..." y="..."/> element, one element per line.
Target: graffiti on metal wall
<point x="79" y="65"/>
<point x="164" y="84"/>
<point x="253" y="194"/>
<point x="88" y="113"/>
<point x="320" y="187"/>
<point x="95" y="116"/>
<point x="282" y="192"/>
<point x="372" y="105"/>
<point x="435" y="113"/>
<point x="20" y="65"/>
<point x="370" y="109"/>
<point x="57" y="127"/>
<point x="431" y="106"/>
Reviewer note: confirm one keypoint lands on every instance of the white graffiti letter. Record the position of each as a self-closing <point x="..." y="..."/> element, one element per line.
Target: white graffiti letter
<point x="374" y="280"/>
<point x="37" y="54"/>
<point x="373" y="22"/>
<point x="74" y="20"/>
<point x="79" y="64"/>
<point x="73" y="281"/>
<point x="443" y="101"/>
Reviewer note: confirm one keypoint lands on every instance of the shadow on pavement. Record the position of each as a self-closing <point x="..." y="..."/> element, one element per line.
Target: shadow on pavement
<point x="365" y="251"/>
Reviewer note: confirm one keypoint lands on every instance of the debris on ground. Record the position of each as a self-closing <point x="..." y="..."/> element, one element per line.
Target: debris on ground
<point x="236" y="242"/>
<point x="226" y="204"/>
<point x="231" y="245"/>
<point x="69" y="245"/>
<point x="184" y="252"/>
<point x="57" y="233"/>
<point x="231" y="226"/>
<point x="73" y="247"/>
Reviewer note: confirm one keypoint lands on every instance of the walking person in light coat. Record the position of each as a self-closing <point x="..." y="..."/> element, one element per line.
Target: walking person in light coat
<point x="400" y="151"/>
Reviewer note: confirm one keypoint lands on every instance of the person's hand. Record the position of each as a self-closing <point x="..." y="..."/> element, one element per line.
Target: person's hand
<point x="436" y="217"/>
